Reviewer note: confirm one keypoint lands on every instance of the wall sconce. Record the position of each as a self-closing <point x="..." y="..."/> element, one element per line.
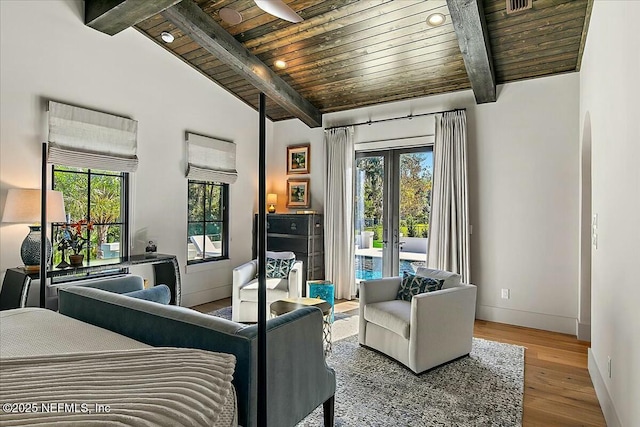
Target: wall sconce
<point x="23" y="207"/>
<point x="272" y="201"/>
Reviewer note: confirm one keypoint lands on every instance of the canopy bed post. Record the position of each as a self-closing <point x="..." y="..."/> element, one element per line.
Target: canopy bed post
<point x="43" y="226"/>
<point x="262" y="268"/>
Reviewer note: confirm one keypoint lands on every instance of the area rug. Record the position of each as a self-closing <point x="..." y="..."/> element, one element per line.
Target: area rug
<point x="484" y="389"/>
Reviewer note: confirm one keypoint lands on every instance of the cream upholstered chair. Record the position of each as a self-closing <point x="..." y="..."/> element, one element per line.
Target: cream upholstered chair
<point x="431" y="329"/>
<point x="244" y="300"/>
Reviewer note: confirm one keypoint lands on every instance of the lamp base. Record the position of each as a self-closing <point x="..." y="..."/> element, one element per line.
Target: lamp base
<point x="30" y="249"/>
<point x="271" y="209"/>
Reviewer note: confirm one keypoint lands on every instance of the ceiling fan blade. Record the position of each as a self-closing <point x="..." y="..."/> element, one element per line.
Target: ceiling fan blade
<point x="279" y="9"/>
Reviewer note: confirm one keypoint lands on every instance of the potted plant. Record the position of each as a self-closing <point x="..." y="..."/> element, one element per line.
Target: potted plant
<point x="73" y="236"/>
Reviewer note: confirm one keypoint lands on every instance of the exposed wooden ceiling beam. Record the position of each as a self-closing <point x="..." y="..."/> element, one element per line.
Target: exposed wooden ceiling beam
<point x="583" y="38"/>
<point x="469" y="22"/>
<point x="203" y="29"/>
<point x="113" y="16"/>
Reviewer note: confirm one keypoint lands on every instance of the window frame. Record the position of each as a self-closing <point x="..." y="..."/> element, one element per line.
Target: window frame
<point x="124" y="206"/>
<point x="224" y="221"/>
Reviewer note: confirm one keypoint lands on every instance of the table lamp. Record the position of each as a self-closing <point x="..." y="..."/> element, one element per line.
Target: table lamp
<point x="272" y="201"/>
<point x="23" y="206"/>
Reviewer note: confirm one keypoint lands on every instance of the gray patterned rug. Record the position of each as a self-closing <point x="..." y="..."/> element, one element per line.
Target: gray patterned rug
<point x="484" y="389"/>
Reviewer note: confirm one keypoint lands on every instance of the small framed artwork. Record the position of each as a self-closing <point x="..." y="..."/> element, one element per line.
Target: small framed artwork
<point x="298" y="193"/>
<point x="298" y="159"/>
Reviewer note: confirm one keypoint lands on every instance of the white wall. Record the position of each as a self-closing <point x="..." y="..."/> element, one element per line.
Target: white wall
<point x="48" y="53"/>
<point x="609" y="89"/>
<point x="294" y="132"/>
<point x="523" y="167"/>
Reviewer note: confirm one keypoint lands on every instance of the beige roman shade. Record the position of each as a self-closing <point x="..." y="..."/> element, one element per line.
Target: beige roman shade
<point x="211" y="159"/>
<point x="84" y="138"/>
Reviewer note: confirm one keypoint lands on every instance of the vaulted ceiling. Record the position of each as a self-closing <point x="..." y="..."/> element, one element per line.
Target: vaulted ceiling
<point x="354" y="53"/>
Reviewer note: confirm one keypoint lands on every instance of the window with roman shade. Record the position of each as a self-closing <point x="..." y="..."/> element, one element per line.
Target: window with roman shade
<point x="92" y="154"/>
<point x="211" y="159"/>
<point x="211" y="168"/>
<point x="79" y="137"/>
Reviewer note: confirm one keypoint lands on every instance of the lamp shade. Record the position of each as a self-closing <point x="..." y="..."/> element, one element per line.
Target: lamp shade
<point x="23" y="206"/>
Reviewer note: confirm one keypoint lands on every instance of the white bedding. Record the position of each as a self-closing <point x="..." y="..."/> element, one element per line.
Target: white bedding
<point x="40" y="332"/>
<point x="47" y="358"/>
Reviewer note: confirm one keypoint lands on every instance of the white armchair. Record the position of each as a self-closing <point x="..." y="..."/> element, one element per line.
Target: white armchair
<point x="434" y="328"/>
<point x="244" y="299"/>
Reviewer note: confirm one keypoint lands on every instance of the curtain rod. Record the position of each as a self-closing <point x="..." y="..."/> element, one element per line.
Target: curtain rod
<point x="410" y="116"/>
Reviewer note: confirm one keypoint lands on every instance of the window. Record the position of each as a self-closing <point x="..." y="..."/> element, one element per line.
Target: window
<point x="100" y="197"/>
<point x="207" y="221"/>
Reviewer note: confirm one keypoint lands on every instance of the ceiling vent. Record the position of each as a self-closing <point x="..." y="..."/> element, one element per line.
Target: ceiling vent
<point x="514" y="6"/>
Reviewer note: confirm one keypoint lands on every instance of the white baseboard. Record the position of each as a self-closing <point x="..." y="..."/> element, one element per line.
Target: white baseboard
<point x="547" y="322"/>
<point x="606" y="404"/>
<point x="583" y="331"/>
<point x="205" y="296"/>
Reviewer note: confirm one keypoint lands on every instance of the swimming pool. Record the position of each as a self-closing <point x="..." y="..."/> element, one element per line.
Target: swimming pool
<point x="368" y="268"/>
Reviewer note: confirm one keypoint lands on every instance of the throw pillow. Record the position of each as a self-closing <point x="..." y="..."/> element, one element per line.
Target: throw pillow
<point x="279" y="268"/>
<point x="413" y="285"/>
<point x="160" y="294"/>
<point x="451" y="280"/>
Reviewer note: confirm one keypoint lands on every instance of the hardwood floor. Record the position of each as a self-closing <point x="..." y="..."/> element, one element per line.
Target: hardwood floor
<point x="557" y="387"/>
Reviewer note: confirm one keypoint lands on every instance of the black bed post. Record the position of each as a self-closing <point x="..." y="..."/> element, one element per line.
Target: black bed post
<point x="262" y="285"/>
<point x="43" y="226"/>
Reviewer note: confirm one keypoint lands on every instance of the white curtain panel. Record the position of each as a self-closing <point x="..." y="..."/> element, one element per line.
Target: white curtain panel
<point x="449" y="222"/>
<point x="338" y="219"/>
<point x="211" y="159"/>
<point x="85" y="138"/>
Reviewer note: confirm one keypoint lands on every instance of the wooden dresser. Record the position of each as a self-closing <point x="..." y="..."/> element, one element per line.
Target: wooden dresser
<point x="302" y="234"/>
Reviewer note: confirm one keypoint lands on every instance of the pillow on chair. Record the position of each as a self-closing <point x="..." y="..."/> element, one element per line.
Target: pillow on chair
<point x="279" y="268"/>
<point x="413" y="285"/>
<point x="451" y="280"/>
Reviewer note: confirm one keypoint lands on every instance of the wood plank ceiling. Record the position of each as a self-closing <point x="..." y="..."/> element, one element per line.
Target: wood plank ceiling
<point x="354" y="53"/>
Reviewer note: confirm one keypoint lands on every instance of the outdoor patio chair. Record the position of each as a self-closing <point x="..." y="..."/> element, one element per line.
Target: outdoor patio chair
<point x="205" y="246"/>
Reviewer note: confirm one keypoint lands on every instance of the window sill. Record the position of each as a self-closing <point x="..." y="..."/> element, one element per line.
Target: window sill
<point x="207" y="266"/>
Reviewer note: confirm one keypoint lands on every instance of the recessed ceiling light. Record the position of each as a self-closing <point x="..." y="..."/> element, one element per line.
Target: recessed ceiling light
<point x="167" y="37"/>
<point x="436" y="19"/>
<point x="280" y="64"/>
<point x="230" y="16"/>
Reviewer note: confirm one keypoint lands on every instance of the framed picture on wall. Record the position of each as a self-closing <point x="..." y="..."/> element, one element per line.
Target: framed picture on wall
<point x="298" y="159"/>
<point x="298" y="193"/>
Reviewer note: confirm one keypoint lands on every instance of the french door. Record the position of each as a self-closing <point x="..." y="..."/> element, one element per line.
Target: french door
<point x="392" y="207"/>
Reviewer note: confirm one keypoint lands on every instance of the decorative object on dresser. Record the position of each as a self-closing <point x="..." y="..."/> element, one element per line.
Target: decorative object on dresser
<point x="272" y="201"/>
<point x="298" y="193"/>
<point x="23" y="206"/>
<point x="301" y="234"/>
<point x="299" y="159"/>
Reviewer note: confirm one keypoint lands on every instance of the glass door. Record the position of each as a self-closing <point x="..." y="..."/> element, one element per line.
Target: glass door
<point x="370" y="214"/>
<point x="392" y="208"/>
